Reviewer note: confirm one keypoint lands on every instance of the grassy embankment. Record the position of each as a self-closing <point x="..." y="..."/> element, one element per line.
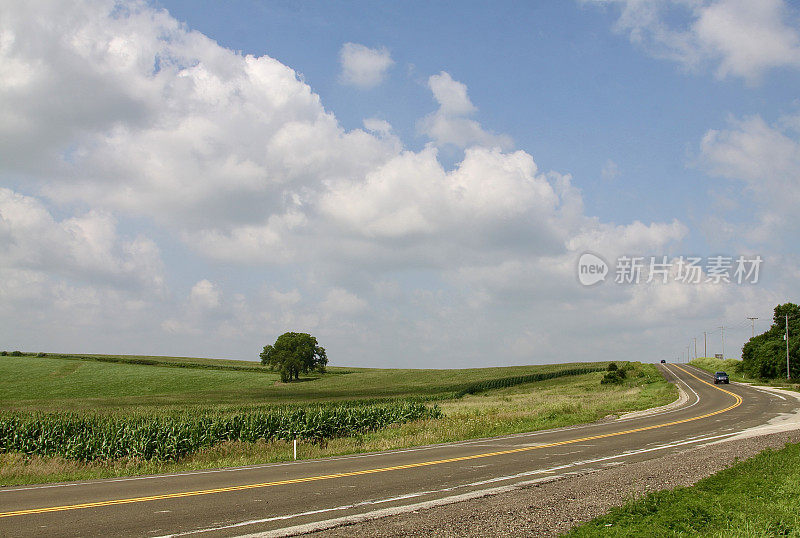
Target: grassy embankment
<point x="755" y="498"/>
<point x="125" y="387"/>
<point x="731" y="367"/>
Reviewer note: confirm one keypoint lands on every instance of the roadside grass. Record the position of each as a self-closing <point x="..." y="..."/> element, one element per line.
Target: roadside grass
<point x="755" y="498"/>
<point x="732" y="368"/>
<point x="545" y="404"/>
<point x="51" y="383"/>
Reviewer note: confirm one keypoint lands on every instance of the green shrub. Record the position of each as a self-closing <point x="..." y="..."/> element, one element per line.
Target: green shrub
<point x="17" y="354"/>
<point x="612" y="367"/>
<point x="614" y="376"/>
<point x="4" y="353"/>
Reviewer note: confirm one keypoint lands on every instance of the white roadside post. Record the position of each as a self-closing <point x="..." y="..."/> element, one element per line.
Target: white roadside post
<point x="295" y="448"/>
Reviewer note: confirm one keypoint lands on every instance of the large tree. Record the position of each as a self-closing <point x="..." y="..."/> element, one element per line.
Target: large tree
<point x="764" y="356"/>
<point x="293" y="353"/>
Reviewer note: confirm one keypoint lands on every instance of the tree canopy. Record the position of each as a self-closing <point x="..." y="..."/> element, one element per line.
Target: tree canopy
<point x="294" y="353"/>
<point x="764" y="355"/>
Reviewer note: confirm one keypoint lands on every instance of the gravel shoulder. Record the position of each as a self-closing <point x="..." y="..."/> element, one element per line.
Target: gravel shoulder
<point x="552" y="508"/>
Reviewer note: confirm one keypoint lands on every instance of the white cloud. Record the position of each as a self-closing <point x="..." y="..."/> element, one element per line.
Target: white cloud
<point x="73" y="284"/>
<point x="630" y="240"/>
<point x="610" y="170"/>
<point x="362" y="66"/>
<point x="379" y="126"/>
<point x="175" y="326"/>
<point x="205" y="294"/>
<point x="451" y="95"/>
<point x="766" y="160"/>
<point x="284" y="299"/>
<point x="341" y="301"/>
<point x="384" y="253"/>
<point x="741" y="38"/>
<point x="750" y="37"/>
<point x="85" y="248"/>
<point x="492" y="202"/>
<point x="208" y="135"/>
<point x="451" y="124"/>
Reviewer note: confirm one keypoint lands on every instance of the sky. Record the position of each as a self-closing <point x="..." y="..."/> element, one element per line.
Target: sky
<point x="417" y="184"/>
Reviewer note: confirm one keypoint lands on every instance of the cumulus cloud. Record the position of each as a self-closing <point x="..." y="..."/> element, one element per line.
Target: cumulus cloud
<point x="349" y="234"/>
<point x="238" y="157"/>
<point x="341" y="301"/>
<point x="413" y="212"/>
<point x="362" y="66"/>
<point x="163" y="122"/>
<point x="766" y="160"/>
<point x="379" y="126"/>
<point x="84" y="248"/>
<point x="451" y="124"/>
<point x="72" y="278"/>
<point x="205" y="294"/>
<point x="740" y="38"/>
<point x="617" y="240"/>
<point x="451" y="95"/>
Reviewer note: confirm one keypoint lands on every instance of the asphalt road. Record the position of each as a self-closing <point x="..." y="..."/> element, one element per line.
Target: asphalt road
<point x="280" y="499"/>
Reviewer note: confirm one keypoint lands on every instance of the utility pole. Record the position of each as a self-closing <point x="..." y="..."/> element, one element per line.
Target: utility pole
<point x="695" y="348"/>
<point x="753" y="321"/>
<point x="687" y="352"/>
<point x="705" y="345"/>
<point x="788" y="374"/>
<point x="723" y="342"/>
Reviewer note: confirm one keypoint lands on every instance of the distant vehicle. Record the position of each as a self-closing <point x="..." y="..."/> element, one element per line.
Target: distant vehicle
<point x="663" y="361"/>
<point x="721" y="377"/>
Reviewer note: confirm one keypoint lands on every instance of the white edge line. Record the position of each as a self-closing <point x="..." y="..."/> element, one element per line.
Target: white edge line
<point x="673" y="410"/>
<point x="288" y="531"/>
<point x="466" y="442"/>
<point x="302" y="462"/>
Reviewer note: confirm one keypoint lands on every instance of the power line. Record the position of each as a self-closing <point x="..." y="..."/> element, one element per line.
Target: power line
<point x="730" y="326"/>
<point x="753" y="321"/>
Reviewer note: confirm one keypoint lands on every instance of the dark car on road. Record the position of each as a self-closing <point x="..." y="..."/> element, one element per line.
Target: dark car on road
<point x="721" y="377"/>
<point x="663" y="361"/>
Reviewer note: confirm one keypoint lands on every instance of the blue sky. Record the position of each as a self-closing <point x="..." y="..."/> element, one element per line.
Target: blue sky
<point x="412" y="182"/>
<point x="552" y="75"/>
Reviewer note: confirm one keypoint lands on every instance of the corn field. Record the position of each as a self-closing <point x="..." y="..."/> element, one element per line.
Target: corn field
<point x="87" y="437"/>
<point x="481" y="386"/>
<point x="172" y="435"/>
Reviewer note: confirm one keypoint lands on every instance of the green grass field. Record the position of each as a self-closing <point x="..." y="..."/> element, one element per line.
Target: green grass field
<point x="34" y="383"/>
<point x="123" y="386"/>
<point x="756" y="498"/>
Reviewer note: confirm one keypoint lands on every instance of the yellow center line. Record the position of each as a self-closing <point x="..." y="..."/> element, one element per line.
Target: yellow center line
<point x="113" y="502"/>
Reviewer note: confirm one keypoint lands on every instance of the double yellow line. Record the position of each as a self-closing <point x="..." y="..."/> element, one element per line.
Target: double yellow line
<point x="114" y="502"/>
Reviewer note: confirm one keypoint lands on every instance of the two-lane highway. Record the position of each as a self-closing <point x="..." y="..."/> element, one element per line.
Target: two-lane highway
<point x="273" y="497"/>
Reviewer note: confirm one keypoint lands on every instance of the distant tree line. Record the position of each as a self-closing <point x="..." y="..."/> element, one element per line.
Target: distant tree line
<point x="764" y="355"/>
